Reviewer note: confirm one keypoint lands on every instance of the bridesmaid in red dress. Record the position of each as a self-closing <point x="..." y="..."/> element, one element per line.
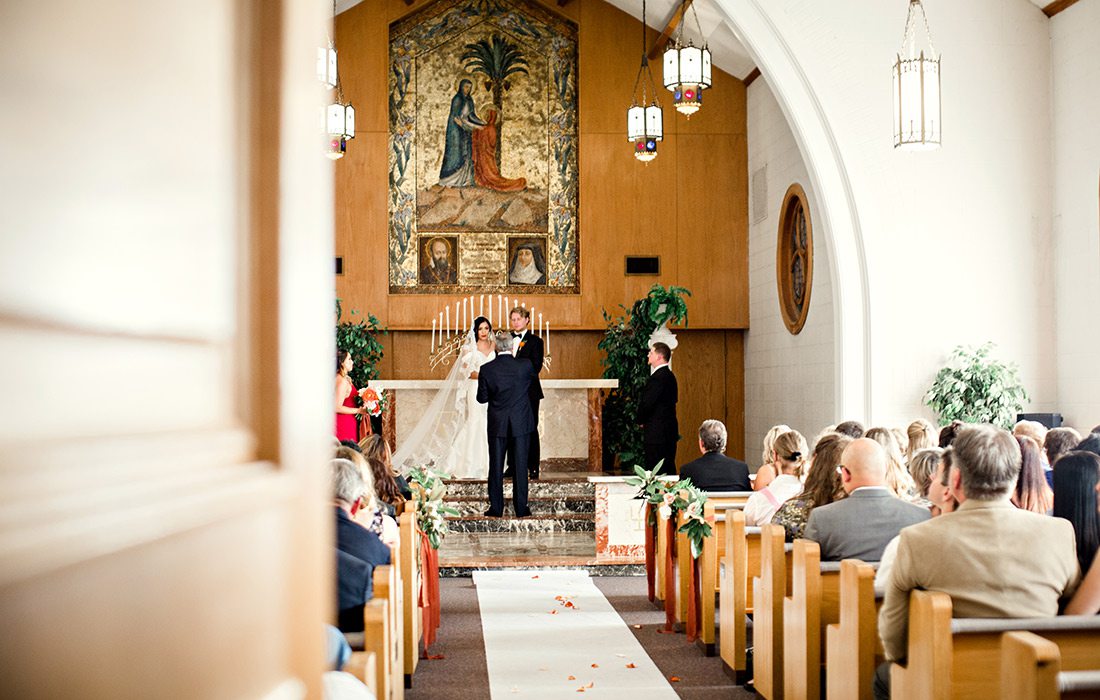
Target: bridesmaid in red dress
<point x="346" y="426"/>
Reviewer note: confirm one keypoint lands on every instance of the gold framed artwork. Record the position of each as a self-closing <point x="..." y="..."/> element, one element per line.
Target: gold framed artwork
<point x="794" y="258"/>
<point x="483" y="149"/>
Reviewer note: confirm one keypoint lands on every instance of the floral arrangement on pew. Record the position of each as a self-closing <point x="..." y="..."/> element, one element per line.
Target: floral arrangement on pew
<point x="429" y="489"/>
<point x="668" y="498"/>
<point x="431" y="511"/>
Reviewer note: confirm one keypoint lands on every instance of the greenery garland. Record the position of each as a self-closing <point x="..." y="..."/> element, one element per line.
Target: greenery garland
<point x="429" y="491"/>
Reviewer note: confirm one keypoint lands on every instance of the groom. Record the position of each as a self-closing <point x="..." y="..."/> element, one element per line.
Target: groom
<point x="504" y="384"/>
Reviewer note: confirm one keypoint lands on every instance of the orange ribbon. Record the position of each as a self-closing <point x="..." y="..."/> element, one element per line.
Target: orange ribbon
<point x="650" y="537"/>
<point x="670" y="576"/>
<point x="429" y="590"/>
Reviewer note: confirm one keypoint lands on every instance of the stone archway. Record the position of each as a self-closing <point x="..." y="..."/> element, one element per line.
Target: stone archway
<point x="841" y="224"/>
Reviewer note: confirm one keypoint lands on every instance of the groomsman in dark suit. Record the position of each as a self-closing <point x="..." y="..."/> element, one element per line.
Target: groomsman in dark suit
<point x="504" y="384"/>
<point x="657" y="411"/>
<point x="528" y="346"/>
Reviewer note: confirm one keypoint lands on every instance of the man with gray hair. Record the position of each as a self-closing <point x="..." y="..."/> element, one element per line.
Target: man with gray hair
<point x="714" y="471"/>
<point x="993" y="559"/>
<point x="358" y="550"/>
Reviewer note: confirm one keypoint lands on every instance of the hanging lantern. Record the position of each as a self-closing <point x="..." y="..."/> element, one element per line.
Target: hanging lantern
<point x="644" y="119"/>
<point x="644" y="128"/>
<point x="687" y="70"/>
<point x="917" y="87"/>
<point x="340" y="126"/>
<point x="326" y="66"/>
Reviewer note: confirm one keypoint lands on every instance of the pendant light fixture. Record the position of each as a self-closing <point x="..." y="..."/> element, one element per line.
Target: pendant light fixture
<point x="644" y="122"/>
<point x="339" y="117"/>
<point x="917" y="86"/>
<point x="687" y="68"/>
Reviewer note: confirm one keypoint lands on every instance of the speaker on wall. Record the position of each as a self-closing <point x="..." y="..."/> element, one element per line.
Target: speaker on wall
<point x="1050" y="420"/>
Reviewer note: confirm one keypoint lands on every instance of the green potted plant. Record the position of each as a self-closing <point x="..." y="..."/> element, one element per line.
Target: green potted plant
<point x="625" y="344"/>
<point x="976" y="388"/>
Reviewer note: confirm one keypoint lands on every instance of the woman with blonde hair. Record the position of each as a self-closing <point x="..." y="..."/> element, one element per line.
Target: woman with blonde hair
<point x="897" y="478"/>
<point x="922" y="435"/>
<point x="822" y="486"/>
<point x="768" y="468"/>
<point x="790" y="452"/>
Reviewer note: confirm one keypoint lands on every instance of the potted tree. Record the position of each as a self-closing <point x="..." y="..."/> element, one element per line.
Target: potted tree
<point x="975" y="388"/>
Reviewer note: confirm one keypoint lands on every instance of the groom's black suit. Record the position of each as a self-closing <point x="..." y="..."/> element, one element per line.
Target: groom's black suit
<point x="532" y="349"/>
<point x="505" y="384"/>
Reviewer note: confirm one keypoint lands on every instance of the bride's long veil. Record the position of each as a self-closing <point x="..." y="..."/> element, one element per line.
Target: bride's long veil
<point x="433" y="442"/>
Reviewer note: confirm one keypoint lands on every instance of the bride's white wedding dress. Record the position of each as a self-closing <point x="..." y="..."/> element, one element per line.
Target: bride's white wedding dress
<point x="470" y="459"/>
<point x="450" y="436"/>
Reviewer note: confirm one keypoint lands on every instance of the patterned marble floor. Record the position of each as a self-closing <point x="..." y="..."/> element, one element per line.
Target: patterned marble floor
<point x="474" y="548"/>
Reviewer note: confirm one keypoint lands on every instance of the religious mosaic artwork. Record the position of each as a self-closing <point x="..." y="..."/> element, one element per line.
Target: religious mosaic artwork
<point x="483" y="149"/>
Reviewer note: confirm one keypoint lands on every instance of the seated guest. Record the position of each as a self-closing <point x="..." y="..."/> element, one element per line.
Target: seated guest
<point x="860" y="526"/>
<point x="353" y="539"/>
<point x="974" y="554"/>
<point x="768" y="469"/>
<point x="371" y="513"/>
<point x="922" y="469"/>
<point x="386" y="489"/>
<point x="1058" y="442"/>
<point x="1075" y="499"/>
<point x="375" y="447"/>
<point x="354" y="587"/>
<point x="948" y="433"/>
<point x="851" y="428"/>
<point x="922" y="435"/>
<point x="897" y="477"/>
<point x="1031" y="492"/>
<point x="1032" y="429"/>
<point x="1086" y="601"/>
<point x="790" y="455"/>
<point x="940" y="499"/>
<point x="822" y="486"/>
<point x="1090" y="444"/>
<point x="714" y="471"/>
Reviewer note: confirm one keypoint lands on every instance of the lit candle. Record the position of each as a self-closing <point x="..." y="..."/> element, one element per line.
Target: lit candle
<point x="433" y="336"/>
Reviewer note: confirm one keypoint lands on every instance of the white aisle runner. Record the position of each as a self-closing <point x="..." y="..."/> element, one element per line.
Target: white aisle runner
<point x="552" y="633"/>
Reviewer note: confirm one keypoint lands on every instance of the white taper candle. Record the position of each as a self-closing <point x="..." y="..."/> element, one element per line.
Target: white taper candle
<point x="433" y="336"/>
<point x="547" y="337"/>
<point x="448" y="321"/>
<point x="481" y="306"/>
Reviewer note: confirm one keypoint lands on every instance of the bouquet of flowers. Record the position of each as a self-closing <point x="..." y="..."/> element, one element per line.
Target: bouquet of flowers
<point x="372" y="402"/>
<point x="669" y="497"/>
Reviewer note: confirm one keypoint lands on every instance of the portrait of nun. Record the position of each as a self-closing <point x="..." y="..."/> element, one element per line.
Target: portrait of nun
<point x="528" y="264"/>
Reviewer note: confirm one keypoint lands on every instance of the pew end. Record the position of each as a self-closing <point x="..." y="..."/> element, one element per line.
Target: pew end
<point x="852" y="643"/>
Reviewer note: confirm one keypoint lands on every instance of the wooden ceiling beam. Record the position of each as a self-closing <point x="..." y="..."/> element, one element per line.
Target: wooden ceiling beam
<point x="666" y="34"/>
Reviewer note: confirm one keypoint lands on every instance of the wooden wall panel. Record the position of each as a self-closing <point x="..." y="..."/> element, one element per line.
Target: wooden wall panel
<point x="625" y="206"/>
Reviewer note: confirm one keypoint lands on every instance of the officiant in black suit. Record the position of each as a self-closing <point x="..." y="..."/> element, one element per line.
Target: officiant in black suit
<point x="505" y="384"/>
<point x="657" y="411"/>
<point x="528" y="346"/>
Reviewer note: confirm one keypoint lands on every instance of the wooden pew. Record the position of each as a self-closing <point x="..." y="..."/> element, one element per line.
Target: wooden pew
<point x="1031" y="670"/>
<point x="387" y="587"/>
<point x="814" y="603"/>
<point x="408" y="559"/>
<point x="740" y="564"/>
<point x="713" y="552"/>
<point x="378" y="642"/>
<point x="853" y="648"/>
<point x="960" y="658"/>
<point x="364" y="666"/>
<point x="767" y="616"/>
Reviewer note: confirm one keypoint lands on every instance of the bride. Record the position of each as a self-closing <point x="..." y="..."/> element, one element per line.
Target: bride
<point x="451" y="435"/>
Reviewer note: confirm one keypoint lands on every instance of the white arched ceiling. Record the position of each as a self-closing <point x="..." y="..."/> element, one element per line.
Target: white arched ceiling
<point x="816" y="140"/>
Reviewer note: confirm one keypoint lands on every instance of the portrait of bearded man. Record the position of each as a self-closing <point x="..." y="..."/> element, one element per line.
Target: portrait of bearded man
<point x="439" y="264"/>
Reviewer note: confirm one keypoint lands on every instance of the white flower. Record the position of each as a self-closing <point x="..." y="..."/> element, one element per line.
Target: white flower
<point x="693" y="510"/>
<point x="669" y="497"/>
<point x="665" y="512"/>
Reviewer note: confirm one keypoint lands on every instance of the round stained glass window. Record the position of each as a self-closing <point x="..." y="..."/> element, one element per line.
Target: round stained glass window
<point x="794" y="259"/>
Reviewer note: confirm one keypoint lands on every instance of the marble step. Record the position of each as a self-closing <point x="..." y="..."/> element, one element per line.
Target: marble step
<point x="540" y="506"/>
<point x="467" y="571"/>
<point x="571" y="522"/>
<point x="542" y="488"/>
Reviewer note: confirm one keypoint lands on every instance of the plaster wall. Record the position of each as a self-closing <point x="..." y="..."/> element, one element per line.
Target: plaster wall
<point x="788" y="378"/>
<point x="956" y="242"/>
<point x="1075" y="106"/>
